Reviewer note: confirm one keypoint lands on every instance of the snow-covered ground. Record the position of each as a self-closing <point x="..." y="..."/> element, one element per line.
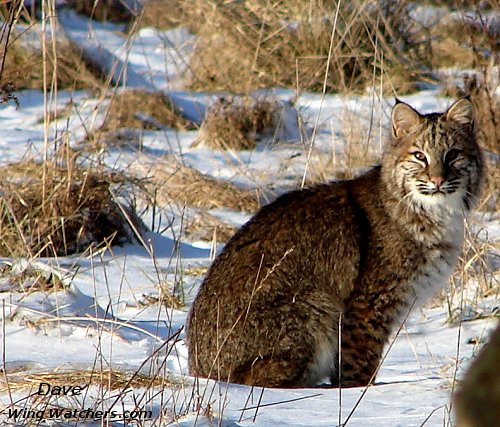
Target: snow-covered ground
<point x="106" y="315"/>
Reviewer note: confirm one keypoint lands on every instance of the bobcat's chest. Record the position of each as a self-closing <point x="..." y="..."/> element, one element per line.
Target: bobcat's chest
<point x="436" y="264"/>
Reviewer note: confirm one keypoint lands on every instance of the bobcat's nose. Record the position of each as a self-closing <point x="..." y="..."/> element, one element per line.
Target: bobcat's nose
<point x="437" y="180"/>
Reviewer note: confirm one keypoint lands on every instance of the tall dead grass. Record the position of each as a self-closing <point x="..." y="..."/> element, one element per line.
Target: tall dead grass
<point x="467" y="39"/>
<point x="254" y="44"/>
<point x="51" y="210"/>
<point x="27" y="65"/>
<point x="131" y="111"/>
<point x="208" y="228"/>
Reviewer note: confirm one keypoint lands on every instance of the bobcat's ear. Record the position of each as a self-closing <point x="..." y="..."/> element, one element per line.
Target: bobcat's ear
<point x="404" y="119"/>
<point x="461" y="112"/>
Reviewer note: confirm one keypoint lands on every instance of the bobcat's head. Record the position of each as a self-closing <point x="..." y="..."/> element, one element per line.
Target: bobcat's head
<point x="433" y="160"/>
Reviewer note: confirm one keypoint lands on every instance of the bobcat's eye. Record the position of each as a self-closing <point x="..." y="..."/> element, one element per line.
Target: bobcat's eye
<point x="452" y="155"/>
<point x="419" y="156"/>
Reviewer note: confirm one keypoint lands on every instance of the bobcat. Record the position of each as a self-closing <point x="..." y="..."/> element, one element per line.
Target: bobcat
<point x="358" y="253"/>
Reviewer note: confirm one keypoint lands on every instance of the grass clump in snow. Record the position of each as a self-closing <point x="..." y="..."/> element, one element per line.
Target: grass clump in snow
<point x="131" y="111"/>
<point x="48" y="210"/>
<point x="236" y="123"/>
<point x="140" y="109"/>
<point x="170" y="181"/>
<point x="24" y="66"/>
<point x="166" y="299"/>
<point x="256" y="44"/>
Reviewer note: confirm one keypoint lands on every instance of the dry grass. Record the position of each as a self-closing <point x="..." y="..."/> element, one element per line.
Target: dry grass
<point x="162" y="14"/>
<point x="465" y="42"/>
<point x="353" y="152"/>
<point x="166" y="298"/>
<point x="447" y="51"/>
<point x="140" y="109"/>
<point x="475" y="278"/>
<point x="208" y="228"/>
<point x="23" y="67"/>
<point x="48" y="210"/>
<point x="255" y="44"/>
<point x="132" y="111"/>
<point x="107" y="10"/>
<point x="29" y="279"/>
<point x="487" y="106"/>
<point x="106" y="378"/>
<point x="169" y="181"/>
<point x="236" y="123"/>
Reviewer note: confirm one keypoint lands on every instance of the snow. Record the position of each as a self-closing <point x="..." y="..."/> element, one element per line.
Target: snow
<point x="101" y="318"/>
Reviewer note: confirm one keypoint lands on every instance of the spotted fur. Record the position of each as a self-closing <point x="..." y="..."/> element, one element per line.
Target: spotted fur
<point x="351" y="256"/>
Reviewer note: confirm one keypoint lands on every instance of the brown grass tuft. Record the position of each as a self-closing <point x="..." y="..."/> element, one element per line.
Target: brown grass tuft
<point x="172" y="182"/>
<point x="48" y="210"/>
<point x="23" y="67"/>
<point x="105" y="378"/>
<point x="255" y="44"/>
<point x="235" y="123"/>
<point x="140" y="109"/>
